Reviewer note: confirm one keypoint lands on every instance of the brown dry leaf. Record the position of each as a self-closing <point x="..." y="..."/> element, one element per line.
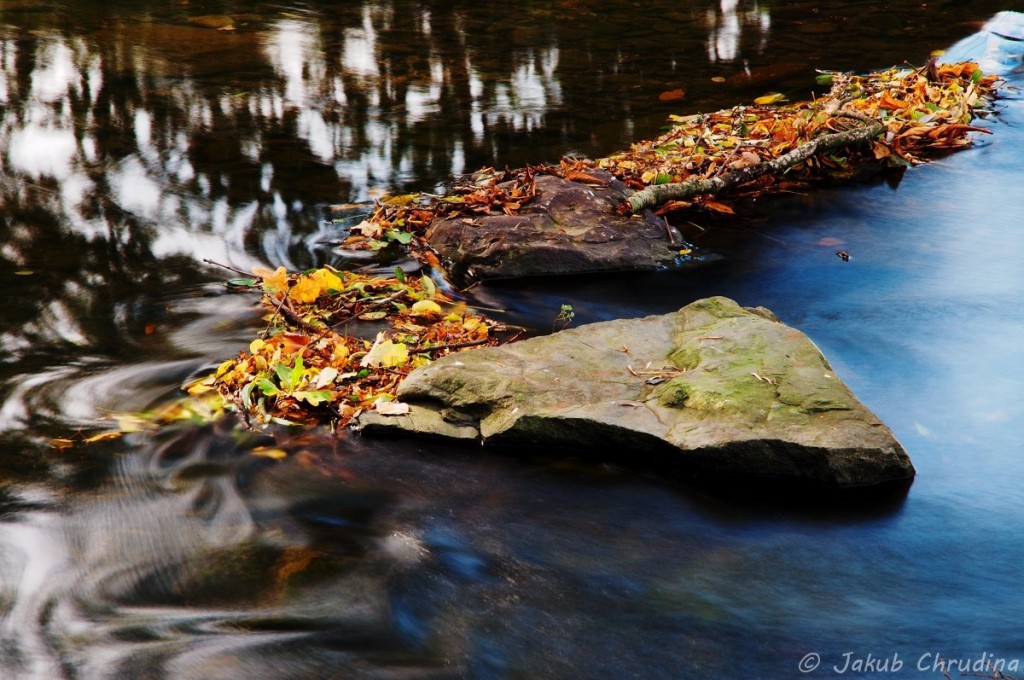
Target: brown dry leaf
<point x="718" y="207"/>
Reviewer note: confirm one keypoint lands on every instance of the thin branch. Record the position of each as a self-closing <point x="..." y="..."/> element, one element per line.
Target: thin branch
<point x="660" y="193"/>
<point x="229" y="268"/>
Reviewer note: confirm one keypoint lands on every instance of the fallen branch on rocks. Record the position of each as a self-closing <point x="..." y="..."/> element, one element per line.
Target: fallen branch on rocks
<point x="658" y="194"/>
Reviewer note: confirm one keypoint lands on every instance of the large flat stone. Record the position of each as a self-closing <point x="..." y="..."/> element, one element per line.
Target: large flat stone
<point x="725" y="390"/>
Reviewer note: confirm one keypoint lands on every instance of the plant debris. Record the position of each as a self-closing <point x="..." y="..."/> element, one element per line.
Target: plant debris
<point x="889" y="119"/>
<point x="309" y="367"/>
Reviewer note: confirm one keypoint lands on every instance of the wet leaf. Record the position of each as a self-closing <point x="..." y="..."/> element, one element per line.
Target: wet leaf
<point x="221" y="22"/>
<point x="271" y="452"/>
<point x="719" y="207"/>
<point x="671" y="95"/>
<point x="770" y="98"/>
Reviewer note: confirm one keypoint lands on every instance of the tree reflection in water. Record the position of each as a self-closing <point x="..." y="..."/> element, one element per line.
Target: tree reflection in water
<point x="133" y="145"/>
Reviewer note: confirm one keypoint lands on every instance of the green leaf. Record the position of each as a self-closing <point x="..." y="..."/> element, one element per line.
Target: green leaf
<point x="400" y="274"/>
<point x="824" y="79"/>
<point x="268" y="388"/>
<point x="241" y="283"/>
<point x="402" y="237"/>
<point x="284" y="374"/>
<point x="977" y="76"/>
<point x="429" y="289"/>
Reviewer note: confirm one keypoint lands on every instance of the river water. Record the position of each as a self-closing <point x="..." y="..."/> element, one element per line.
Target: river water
<point x="135" y="144"/>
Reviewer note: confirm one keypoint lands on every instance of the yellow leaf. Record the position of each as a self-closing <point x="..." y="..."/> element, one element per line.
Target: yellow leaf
<point x="256" y="345"/>
<point x="269" y="452"/>
<point x="425" y="308"/>
<point x="227" y="365"/>
<point x="770" y="98"/>
<point x="327" y="279"/>
<point x="340" y="354"/>
<point x="200" y="386"/>
<point x="306" y="290"/>
<point x="61" y="444"/>
<point x="471" y="324"/>
<point x="386" y="353"/>
<point x="272" y="280"/>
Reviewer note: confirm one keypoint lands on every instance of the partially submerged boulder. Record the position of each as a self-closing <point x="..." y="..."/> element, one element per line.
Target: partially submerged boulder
<point x="568" y="228"/>
<point x="724" y="390"/>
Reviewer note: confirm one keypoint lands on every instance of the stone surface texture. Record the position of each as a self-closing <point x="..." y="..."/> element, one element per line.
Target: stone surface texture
<point x="568" y="228"/>
<point x="724" y="390"/>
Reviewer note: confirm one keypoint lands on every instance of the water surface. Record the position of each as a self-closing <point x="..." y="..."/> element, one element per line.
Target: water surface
<point x="134" y="145"/>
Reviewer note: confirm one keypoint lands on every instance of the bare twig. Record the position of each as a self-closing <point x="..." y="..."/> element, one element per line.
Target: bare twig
<point x="229" y="268"/>
<point x="660" y="193"/>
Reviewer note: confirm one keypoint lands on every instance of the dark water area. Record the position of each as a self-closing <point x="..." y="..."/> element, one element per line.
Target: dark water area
<point x="135" y="144"/>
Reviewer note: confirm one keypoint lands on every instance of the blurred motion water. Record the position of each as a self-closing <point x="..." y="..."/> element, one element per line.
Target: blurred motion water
<point x="135" y="143"/>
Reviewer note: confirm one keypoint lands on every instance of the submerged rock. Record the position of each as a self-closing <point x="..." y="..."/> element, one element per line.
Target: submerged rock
<point x="568" y="228"/>
<point x="723" y="390"/>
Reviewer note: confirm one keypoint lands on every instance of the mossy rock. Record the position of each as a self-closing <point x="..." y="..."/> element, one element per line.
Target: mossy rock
<point x="725" y="389"/>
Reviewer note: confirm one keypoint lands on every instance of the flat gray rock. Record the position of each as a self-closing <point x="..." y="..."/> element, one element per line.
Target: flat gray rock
<point x="726" y="390"/>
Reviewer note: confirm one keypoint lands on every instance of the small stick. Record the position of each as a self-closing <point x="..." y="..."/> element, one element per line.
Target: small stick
<point x="229" y="268"/>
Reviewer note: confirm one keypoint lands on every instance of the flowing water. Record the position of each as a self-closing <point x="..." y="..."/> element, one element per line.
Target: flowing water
<point x="135" y="143"/>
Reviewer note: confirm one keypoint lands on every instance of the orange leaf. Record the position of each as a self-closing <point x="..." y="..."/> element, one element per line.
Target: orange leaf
<point x="577" y="176"/>
<point x="719" y="207"/>
<point x="891" y="103"/>
<point x="671" y="95"/>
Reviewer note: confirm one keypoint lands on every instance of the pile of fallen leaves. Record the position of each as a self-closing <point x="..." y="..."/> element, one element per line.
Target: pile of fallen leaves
<point x="308" y="368"/>
<point x="924" y="113"/>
